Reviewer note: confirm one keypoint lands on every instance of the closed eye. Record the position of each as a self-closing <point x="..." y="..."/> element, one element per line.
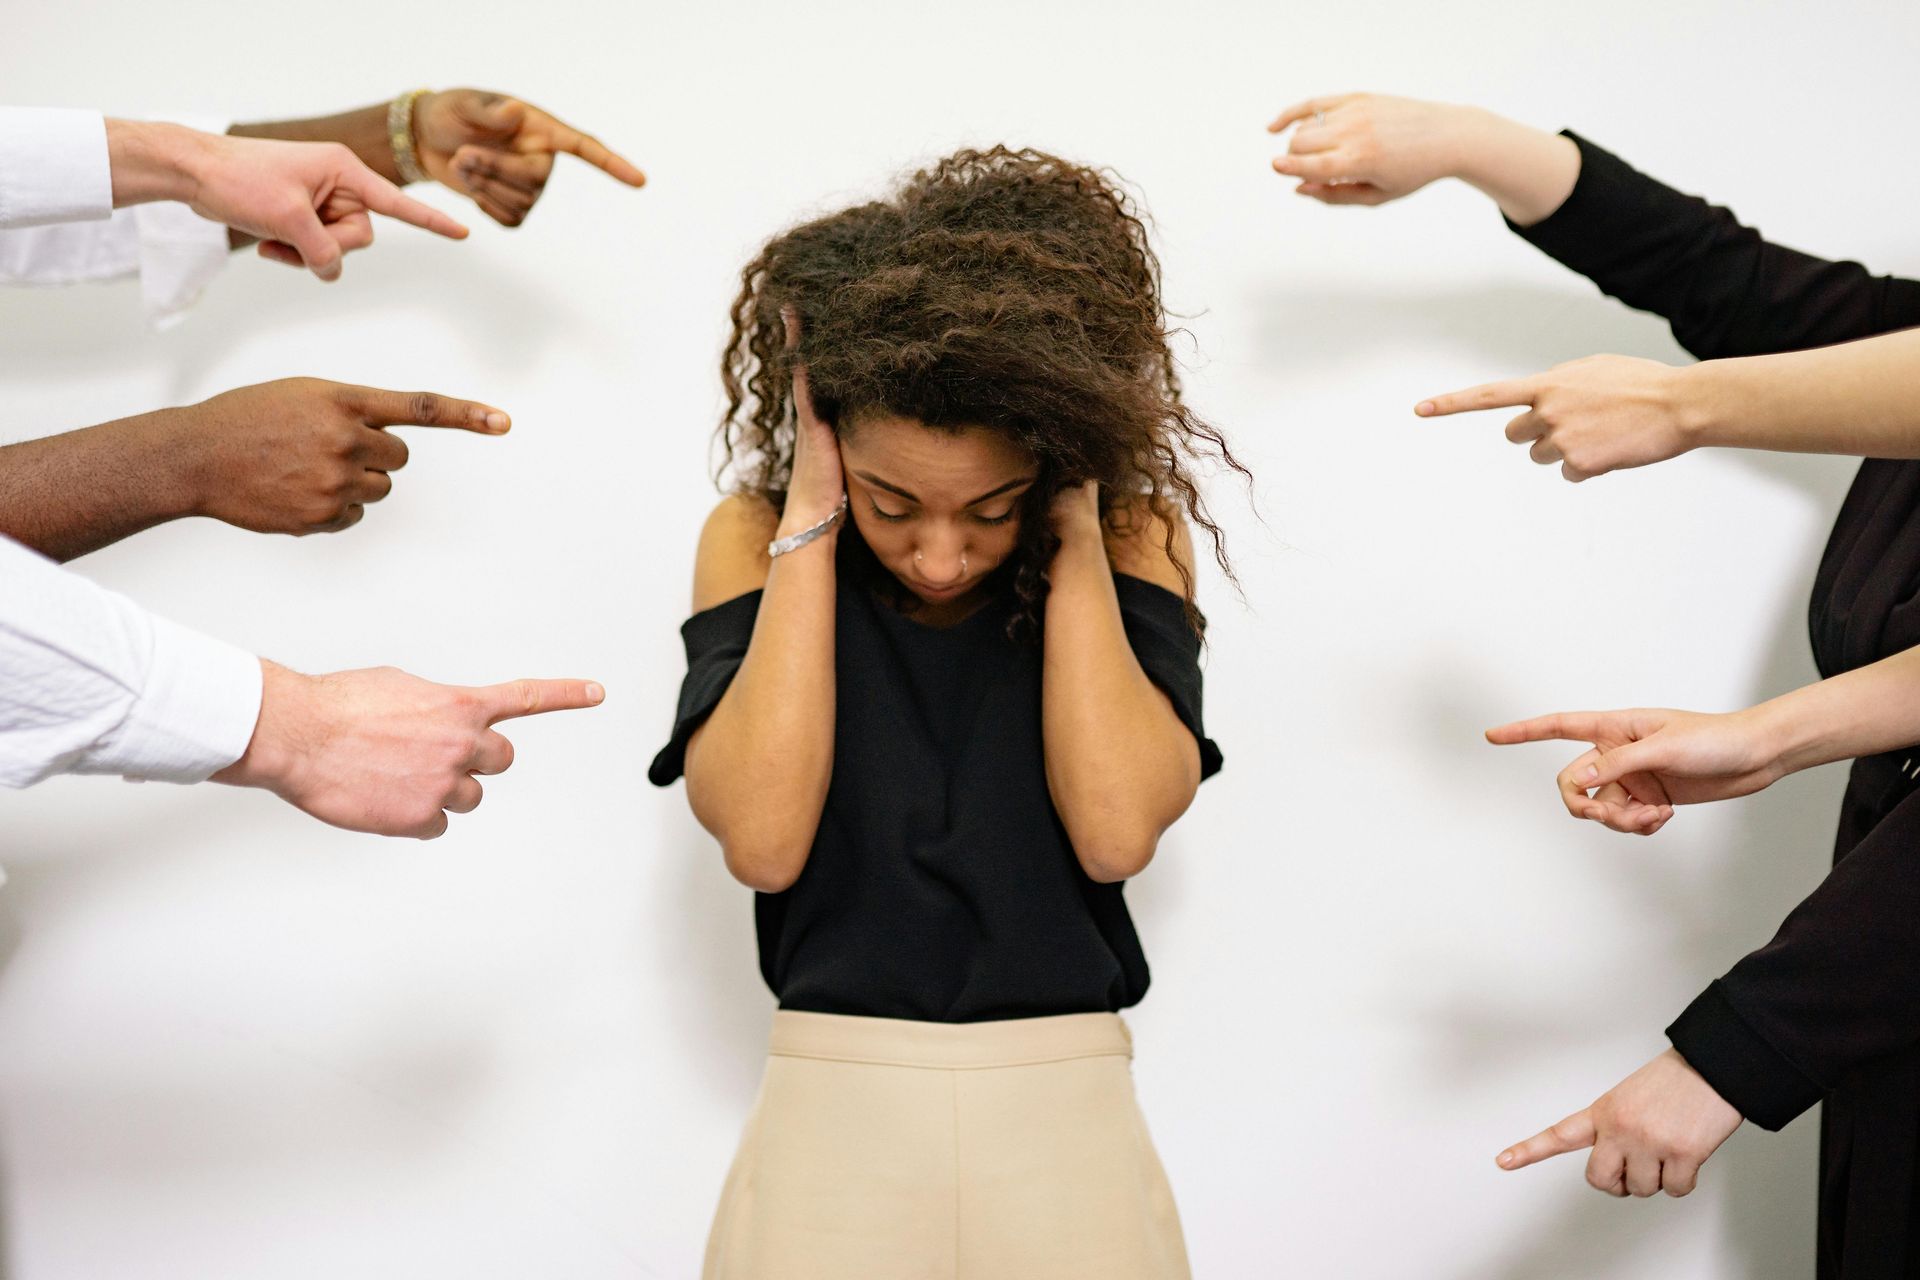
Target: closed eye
<point x="890" y="516"/>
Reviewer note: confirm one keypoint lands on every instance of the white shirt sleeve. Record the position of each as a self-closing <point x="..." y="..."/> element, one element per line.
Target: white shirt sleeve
<point x="173" y="250"/>
<point x="92" y="683"/>
<point x="53" y="167"/>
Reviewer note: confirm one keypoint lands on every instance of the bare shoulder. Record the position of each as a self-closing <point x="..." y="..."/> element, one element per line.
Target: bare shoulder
<point x="1137" y="543"/>
<point x="732" y="559"/>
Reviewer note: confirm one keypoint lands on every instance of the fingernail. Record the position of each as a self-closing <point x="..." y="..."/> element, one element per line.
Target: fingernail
<point x="1424" y="408"/>
<point x="595" y="693"/>
<point x="496" y="420"/>
<point x="1593" y="771"/>
<point x="1506" y="1159"/>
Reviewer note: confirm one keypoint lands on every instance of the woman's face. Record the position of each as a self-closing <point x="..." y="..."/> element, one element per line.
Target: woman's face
<point x="941" y="509"/>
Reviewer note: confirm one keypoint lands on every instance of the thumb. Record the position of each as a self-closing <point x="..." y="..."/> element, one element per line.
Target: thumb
<point x="309" y="238"/>
<point x="1648" y="755"/>
<point x="1575" y="1133"/>
<point x="492" y="114"/>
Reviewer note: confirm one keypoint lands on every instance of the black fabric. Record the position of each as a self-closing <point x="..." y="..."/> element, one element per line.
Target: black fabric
<point x="1832" y="1004"/>
<point x="941" y="886"/>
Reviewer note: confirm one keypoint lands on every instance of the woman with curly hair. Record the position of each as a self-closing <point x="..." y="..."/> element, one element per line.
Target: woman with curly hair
<point x="943" y="699"/>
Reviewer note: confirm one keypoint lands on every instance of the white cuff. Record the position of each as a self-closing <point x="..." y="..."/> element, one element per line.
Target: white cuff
<point x="194" y="717"/>
<point x="53" y="166"/>
<point x="180" y="253"/>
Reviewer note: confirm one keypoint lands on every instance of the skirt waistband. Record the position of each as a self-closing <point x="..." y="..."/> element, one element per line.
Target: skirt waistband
<point x="953" y="1046"/>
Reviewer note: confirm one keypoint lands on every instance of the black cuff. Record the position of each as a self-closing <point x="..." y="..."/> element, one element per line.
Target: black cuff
<point x="1752" y="1075"/>
<point x="1580" y="233"/>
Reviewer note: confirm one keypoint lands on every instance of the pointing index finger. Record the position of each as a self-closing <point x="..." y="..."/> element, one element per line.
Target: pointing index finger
<point x="425" y="409"/>
<point x="1562" y="726"/>
<point x="1488" y="395"/>
<point x="596" y="153"/>
<point x="382" y="196"/>
<point x="1575" y="1133"/>
<point x="518" y="698"/>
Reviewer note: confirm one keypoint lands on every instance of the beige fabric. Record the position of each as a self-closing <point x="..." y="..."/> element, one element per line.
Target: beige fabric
<point x="881" y="1149"/>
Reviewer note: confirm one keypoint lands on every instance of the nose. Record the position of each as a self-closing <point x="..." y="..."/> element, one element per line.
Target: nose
<point x="941" y="562"/>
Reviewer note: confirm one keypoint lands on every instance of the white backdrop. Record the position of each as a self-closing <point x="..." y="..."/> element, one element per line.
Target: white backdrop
<point x="235" y="1043"/>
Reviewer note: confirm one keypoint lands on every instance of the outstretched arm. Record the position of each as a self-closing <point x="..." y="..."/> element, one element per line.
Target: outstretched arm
<point x="1725" y="289"/>
<point x="295" y="456"/>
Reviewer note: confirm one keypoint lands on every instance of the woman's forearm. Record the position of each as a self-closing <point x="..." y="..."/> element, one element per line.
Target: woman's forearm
<point x="69" y="494"/>
<point x="1860" y="713"/>
<point x="1859" y="398"/>
<point x="1528" y="172"/>
<point x="1121" y="766"/>
<point x="757" y="771"/>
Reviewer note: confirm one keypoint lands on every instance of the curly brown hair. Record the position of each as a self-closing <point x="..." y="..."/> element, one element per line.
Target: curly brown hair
<point x="1005" y="289"/>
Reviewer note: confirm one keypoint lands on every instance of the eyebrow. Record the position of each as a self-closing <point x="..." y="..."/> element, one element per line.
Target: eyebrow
<point x="897" y="491"/>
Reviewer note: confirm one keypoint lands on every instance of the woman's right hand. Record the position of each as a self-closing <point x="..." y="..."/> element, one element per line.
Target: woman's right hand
<point x="1367" y="149"/>
<point x="1644" y="762"/>
<point x="818" y="484"/>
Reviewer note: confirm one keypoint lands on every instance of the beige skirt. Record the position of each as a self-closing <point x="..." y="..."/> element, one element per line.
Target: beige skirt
<point x="883" y="1149"/>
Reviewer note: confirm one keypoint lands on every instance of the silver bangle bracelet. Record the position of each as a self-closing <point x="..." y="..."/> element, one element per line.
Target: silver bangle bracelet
<point x="795" y="541"/>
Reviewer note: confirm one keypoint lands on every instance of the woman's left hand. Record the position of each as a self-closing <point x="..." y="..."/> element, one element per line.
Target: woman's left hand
<point x="1076" y="513"/>
<point x="499" y="151"/>
<point x="1592" y="416"/>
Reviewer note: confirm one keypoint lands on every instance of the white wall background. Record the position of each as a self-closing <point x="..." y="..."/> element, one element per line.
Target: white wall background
<point x="235" y="1043"/>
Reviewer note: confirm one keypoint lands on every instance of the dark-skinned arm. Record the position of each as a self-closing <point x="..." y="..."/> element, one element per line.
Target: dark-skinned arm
<point x="295" y="456"/>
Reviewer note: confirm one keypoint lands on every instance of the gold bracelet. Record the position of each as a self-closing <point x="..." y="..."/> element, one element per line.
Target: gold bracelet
<point x="400" y="135"/>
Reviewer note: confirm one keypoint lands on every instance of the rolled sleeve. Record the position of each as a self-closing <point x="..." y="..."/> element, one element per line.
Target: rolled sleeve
<point x="173" y="251"/>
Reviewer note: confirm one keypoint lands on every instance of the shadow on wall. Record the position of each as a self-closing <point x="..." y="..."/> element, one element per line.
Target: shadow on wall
<point x="1704" y="916"/>
<point x="63" y="335"/>
<point x="722" y="1010"/>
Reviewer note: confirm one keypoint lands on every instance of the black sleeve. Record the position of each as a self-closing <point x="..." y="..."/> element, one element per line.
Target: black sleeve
<point x="1725" y="291"/>
<point x="1837" y="987"/>
<point x="1168" y="650"/>
<point x="716" y="641"/>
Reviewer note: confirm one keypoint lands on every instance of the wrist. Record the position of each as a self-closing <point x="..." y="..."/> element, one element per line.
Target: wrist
<point x="1785" y="734"/>
<point x="803" y="513"/>
<point x="165" y="442"/>
<point x="1701" y="397"/>
<point x="151" y="162"/>
<point x="1468" y="137"/>
<point x="273" y="757"/>
<point x="1528" y="172"/>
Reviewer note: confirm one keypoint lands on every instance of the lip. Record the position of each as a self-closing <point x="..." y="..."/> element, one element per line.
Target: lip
<point x="926" y="592"/>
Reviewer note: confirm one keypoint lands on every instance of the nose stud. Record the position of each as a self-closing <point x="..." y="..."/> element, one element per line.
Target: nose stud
<point x="920" y="556"/>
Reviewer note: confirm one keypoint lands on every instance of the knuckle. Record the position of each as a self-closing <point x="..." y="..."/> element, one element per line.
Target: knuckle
<point x="424" y="406"/>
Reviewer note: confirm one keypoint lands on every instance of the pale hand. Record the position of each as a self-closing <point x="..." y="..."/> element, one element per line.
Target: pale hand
<point x="385" y="752"/>
<point x="1366" y="148"/>
<point x="308" y="203"/>
<point x="1592" y="416"/>
<point x="500" y="151"/>
<point x="1645" y="761"/>
<point x="1651" y="1132"/>
<point x="302" y="455"/>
